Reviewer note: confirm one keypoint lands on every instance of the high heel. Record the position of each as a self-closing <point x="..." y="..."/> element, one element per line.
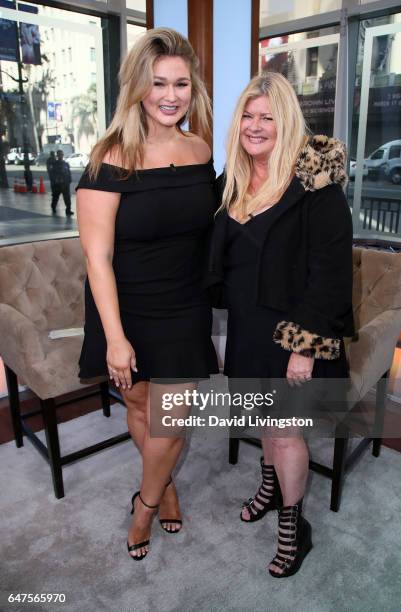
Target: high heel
<point x="132" y="547"/>
<point x="268" y="495"/>
<point x="293" y="531"/>
<point x="174" y="521"/>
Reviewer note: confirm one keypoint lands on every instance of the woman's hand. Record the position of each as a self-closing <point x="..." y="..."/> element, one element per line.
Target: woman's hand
<point x="299" y="369"/>
<point x="120" y="359"/>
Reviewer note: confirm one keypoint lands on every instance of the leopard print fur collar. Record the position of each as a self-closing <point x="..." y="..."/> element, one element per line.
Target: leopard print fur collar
<point x="321" y="162"/>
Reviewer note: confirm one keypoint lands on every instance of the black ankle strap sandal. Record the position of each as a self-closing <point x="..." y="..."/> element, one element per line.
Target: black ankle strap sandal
<point x="295" y="533"/>
<point x="268" y="496"/>
<point x="132" y="547"/>
<point x="164" y="521"/>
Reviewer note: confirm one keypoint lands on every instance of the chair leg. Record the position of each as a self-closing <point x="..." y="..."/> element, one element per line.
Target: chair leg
<point x="13" y="395"/>
<point x="104" y="393"/>
<point x="381" y="394"/>
<point x="233" y="447"/>
<point x="53" y="445"/>
<point x="377" y="444"/>
<point x="339" y="460"/>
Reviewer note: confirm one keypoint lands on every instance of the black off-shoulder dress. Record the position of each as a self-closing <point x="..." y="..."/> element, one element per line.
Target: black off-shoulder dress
<point x="160" y="241"/>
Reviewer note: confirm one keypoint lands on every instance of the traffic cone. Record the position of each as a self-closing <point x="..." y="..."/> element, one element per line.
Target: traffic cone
<point x="34" y="187"/>
<point x="15" y="186"/>
<point x="42" y="185"/>
<point x="24" y="188"/>
<point x="18" y="186"/>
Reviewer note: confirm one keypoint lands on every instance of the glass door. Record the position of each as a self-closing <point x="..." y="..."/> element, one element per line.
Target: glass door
<point x="377" y="168"/>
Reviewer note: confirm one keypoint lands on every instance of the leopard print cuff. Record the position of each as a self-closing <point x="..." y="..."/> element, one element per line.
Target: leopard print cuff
<point x="292" y="337"/>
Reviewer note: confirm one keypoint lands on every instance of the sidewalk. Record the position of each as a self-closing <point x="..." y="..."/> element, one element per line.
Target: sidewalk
<point x="29" y="216"/>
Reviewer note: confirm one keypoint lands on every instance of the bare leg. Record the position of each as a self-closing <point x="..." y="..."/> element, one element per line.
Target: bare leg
<point x="136" y="401"/>
<point x="268" y="459"/>
<point x="291" y="461"/>
<point x="159" y="457"/>
<point x="267" y="446"/>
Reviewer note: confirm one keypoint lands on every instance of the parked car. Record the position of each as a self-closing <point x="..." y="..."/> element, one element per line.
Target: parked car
<point x="392" y="168"/>
<point x="377" y="162"/>
<point x="352" y="169"/>
<point x="77" y="160"/>
<point x="16" y="156"/>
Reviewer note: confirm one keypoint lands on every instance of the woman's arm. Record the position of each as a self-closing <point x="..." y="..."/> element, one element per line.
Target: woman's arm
<point x="316" y="323"/>
<point x="96" y="219"/>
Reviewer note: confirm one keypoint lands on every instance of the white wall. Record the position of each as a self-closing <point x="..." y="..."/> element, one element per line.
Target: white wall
<point x="171" y="14"/>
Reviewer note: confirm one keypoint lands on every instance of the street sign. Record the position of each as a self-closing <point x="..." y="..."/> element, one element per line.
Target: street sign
<point x="55" y="111"/>
<point x="50" y="110"/>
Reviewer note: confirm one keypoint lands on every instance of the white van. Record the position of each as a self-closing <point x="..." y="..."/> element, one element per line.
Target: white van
<point x="392" y="168"/>
<point x="383" y="161"/>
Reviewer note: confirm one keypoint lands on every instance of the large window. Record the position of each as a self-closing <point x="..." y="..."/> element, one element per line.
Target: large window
<point x="365" y="112"/>
<point x="51" y="99"/>
<point x="375" y="148"/>
<point x="273" y="12"/>
<point x="309" y="61"/>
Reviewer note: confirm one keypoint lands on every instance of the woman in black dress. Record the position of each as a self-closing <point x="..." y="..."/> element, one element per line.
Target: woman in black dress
<point x="145" y="203"/>
<point x="282" y="245"/>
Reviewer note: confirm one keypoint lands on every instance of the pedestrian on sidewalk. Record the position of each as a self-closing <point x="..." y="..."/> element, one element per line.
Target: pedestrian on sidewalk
<point x="51" y="160"/>
<point x="61" y="183"/>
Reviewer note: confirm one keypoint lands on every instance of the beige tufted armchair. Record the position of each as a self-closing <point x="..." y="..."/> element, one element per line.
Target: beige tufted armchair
<point x="41" y="295"/>
<point x="377" y="312"/>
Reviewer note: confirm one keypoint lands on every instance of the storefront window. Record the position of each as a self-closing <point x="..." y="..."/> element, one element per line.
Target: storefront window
<point x="309" y="61"/>
<point x="375" y="148"/>
<point x="51" y="99"/>
<point x="273" y="12"/>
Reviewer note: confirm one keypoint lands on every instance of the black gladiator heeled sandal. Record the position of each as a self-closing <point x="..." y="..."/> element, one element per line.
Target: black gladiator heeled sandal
<point x="132" y="547"/>
<point x="293" y="531"/>
<point x="268" y="495"/>
<point x="177" y="522"/>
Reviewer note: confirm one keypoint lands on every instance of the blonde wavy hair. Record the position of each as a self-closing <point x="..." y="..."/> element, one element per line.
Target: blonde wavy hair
<point x="128" y="128"/>
<point x="291" y="136"/>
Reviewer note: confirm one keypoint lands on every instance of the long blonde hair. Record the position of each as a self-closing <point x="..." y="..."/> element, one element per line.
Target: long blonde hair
<point x="291" y="135"/>
<point x="128" y="128"/>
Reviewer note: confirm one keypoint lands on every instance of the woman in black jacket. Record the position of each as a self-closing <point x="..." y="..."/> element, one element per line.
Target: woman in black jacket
<point x="282" y="252"/>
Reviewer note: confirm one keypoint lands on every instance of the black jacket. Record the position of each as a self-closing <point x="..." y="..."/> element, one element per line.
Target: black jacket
<point x="305" y="264"/>
<point x="61" y="173"/>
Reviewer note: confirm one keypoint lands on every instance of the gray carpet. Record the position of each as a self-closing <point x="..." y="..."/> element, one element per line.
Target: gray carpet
<point x="77" y="545"/>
